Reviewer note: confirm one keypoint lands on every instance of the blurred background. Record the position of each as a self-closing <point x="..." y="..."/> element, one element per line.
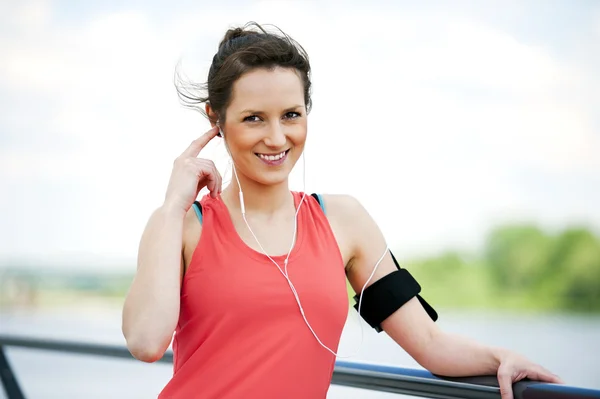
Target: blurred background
<point x="470" y="131"/>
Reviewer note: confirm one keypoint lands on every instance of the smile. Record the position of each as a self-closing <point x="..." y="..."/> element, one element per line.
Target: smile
<point x="274" y="159"/>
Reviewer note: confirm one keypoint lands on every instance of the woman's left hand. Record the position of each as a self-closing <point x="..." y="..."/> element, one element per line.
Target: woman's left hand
<point x="514" y="367"/>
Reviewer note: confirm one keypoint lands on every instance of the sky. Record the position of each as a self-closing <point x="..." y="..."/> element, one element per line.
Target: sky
<point x="443" y="120"/>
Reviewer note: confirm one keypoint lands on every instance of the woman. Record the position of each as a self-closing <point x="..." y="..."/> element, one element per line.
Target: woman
<point x="254" y="285"/>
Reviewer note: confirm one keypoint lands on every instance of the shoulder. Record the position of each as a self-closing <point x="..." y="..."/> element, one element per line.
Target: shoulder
<point x="345" y="209"/>
<point x="192" y="229"/>
<point x="194" y="217"/>
<point x="350" y="219"/>
<point x="362" y="235"/>
<point x="191" y="219"/>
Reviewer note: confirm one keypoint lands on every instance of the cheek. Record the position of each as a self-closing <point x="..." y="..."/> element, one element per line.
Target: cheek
<point x="298" y="134"/>
<point x="240" y="140"/>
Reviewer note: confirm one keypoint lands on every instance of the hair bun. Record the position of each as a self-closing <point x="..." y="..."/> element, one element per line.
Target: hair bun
<point x="236" y="33"/>
<point x="233" y="34"/>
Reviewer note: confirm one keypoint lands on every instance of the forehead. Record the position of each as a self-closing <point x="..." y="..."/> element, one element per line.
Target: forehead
<point x="264" y="89"/>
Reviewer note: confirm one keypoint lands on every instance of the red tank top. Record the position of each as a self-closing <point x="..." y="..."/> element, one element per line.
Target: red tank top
<point x="240" y="332"/>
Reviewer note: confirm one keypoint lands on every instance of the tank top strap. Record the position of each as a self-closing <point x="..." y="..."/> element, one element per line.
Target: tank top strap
<point x="319" y="199"/>
<point x="198" y="209"/>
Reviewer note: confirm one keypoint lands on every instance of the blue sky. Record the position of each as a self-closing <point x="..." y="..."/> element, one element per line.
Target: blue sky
<point x="476" y="113"/>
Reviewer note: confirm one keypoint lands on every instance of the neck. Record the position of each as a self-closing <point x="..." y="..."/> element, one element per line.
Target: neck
<point x="258" y="198"/>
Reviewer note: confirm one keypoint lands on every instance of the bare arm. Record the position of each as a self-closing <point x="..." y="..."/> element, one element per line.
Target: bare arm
<point x="411" y="327"/>
<point x="151" y="308"/>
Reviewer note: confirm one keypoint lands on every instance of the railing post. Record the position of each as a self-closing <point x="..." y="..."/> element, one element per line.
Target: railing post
<point x="9" y="382"/>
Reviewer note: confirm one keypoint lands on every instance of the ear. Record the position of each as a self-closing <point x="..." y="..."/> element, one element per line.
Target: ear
<point x="212" y="115"/>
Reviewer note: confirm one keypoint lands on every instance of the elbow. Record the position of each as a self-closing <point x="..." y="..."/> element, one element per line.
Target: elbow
<point x="147" y="355"/>
<point x="146" y="347"/>
<point x="438" y="358"/>
<point x="430" y="354"/>
<point x="148" y="351"/>
<point x="145" y="339"/>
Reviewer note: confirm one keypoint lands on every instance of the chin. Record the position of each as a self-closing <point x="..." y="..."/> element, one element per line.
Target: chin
<point x="272" y="178"/>
<point x="269" y="176"/>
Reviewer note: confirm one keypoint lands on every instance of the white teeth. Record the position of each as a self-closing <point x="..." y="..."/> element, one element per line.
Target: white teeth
<point x="272" y="157"/>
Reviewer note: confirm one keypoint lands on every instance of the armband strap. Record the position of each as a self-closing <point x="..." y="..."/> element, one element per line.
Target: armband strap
<point x="388" y="294"/>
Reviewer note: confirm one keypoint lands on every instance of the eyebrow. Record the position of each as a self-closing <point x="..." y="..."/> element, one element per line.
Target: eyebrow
<point x="251" y="111"/>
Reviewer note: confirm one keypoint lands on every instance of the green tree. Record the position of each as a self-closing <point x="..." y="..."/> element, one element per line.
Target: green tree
<point x="518" y="256"/>
<point x="575" y="263"/>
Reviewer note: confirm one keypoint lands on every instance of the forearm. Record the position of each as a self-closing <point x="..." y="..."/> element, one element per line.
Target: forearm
<point x="456" y="356"/>
<point x="151" y="308"/>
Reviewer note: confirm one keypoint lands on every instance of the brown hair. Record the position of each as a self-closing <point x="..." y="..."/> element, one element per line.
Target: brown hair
<point x="241" y="50"/>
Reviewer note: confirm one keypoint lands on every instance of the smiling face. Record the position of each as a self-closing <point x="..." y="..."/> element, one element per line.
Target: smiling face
<point x="265" y="128"/>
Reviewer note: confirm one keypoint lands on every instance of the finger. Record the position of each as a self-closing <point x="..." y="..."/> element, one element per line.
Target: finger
<point x="215" y="189"/>
<point x="218" y="181"/>
<point x="505" y="382"/>
<point x="197" y="145"/>
<point x="220" y="185"/>
<point x="211" y="183"/>
<point x="541" y="374"/>
<point x="209" y="176"/>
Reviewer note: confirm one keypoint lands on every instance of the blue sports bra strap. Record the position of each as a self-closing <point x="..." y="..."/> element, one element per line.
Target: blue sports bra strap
<point x="319" y="200"/>
<point x="198" y="210"/>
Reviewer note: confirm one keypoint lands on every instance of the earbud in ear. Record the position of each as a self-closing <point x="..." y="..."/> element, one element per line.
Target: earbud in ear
<point x="220" y="134"/>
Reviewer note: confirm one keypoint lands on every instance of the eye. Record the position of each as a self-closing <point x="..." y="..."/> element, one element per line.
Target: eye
<point x="292" y="115"/>
<point x="251" y="118"/>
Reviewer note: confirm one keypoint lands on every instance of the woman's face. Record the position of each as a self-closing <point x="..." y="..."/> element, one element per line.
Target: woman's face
<point x="265" y="128"/>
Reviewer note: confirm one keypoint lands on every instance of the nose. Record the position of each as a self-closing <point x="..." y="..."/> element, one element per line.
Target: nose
<point x="275" y="137"/>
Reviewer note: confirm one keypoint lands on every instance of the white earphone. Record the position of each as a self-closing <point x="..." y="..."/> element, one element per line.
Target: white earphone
<point x="284" y="272"/>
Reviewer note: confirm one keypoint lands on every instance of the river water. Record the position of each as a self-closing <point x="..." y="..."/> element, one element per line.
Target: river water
<point x="568" y="345"/>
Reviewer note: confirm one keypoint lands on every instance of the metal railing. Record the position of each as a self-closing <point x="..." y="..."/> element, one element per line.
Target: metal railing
<point x="352" y="374"/>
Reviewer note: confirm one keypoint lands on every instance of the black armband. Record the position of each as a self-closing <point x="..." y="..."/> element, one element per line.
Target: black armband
<point x="388" y="294"/>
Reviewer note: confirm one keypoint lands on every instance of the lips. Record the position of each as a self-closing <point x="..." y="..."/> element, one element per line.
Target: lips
<point x="273" y="159"/>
